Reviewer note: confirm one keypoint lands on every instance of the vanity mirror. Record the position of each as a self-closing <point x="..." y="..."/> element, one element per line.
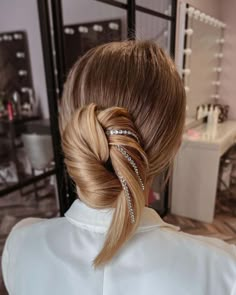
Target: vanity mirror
<point x="199" y="57"/>
<point x="207" y="147"/>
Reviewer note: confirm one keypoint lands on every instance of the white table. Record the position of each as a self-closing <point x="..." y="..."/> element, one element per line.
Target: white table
<point x="195" y="172"/>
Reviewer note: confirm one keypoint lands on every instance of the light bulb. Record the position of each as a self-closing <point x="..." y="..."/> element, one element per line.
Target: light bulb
<point x="218" y="70"/>
<point x="83" y="29"/>
<point x="97" y="28"/>
<point x="216" y="83"/>
<point x="202" y="16"/>
<point x="20" y="54"/>
<point x="188" y="51"/>
<point x="196" y="14"/>
<point x="190" y="11"/>
<point x="18" y="36"/>
<point x="189" y="32"/>
<point x="220" y="41"/>
<point x="22" y="72"/>
<point x="69" y="31"/>
<point x="187" y="89"/>
<point x="207" y="19"/>
<point x="186" y="71"/>
<point x="113" y="26"/>
<point x="218" y="55"/>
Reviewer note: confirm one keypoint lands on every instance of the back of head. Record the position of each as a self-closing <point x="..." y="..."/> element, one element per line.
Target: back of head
<point x="133" y="88"/>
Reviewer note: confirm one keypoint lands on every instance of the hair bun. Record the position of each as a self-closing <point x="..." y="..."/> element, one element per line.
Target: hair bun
<point x="89" y="150"/>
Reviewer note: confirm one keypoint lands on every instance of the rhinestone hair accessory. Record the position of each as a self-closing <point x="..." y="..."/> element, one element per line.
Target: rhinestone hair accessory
<point x="133" y="164"/>
<point x="122" y="132"/>
<point x="124" y="184"/>
<point x="128" y="197"/>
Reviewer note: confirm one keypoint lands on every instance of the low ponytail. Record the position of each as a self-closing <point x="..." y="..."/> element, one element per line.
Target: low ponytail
<point x="94" y="163"/>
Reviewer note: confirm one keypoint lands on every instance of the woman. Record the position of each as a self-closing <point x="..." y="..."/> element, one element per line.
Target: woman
<point x="121" y="121"/>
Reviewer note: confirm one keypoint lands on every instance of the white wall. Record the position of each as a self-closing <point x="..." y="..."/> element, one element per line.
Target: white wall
<point x="228" y="88"/>
<point x="23" y="15"/>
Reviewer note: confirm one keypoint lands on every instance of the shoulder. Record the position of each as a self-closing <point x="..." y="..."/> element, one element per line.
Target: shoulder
<point x="30" y="226"/>
<point x="193" y="243"/>
<point x="207" y="263"/>
<point x="189" y="251"/>
<point x="24" y="234"/>
<point x="211" y="246"/>
<point x="20" y="230"/>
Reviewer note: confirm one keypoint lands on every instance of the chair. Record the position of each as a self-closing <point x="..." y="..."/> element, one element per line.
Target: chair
<point x="228" y="160"/>
<point x="226" y="179"/>
<point x="5" y="158"/>
<point x="39" y="150"/>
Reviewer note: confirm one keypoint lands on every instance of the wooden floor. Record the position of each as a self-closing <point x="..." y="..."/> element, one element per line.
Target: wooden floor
<point x="223" y="226"/>
<point x="17" y="206"/>
<point x="12" y="210"/>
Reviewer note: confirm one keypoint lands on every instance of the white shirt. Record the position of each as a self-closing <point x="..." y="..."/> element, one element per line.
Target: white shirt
<point x="54" y="256"/>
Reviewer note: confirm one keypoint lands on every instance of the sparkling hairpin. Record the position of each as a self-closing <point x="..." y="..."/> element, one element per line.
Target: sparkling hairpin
<point x="132" y="162"/>
<point x="128" y="197"/>
<point x="122" y="132"/>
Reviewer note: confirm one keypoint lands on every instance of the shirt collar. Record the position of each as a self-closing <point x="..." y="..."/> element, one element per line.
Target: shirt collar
<point x="98" y="220"/>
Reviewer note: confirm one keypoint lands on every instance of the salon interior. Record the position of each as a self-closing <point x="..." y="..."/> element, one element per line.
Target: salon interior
<point x="40" y="41"/>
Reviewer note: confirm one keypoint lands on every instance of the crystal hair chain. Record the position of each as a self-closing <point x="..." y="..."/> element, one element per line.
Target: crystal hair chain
<point x="128" y="197"/>
<point x="122" y="132"/>
<point x="134" y="166"/>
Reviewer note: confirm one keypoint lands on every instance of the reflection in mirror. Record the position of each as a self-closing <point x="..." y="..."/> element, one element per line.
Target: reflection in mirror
<point x="27" y="170"/>
<point x="149" y="27"/>
<point x="200" y="57"/>
<point x="163" y="6"/>
<point x="88" y="23"/>
<point x="23" y="98"/>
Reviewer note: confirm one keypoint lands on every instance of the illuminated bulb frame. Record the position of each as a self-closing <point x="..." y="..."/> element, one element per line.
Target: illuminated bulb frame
<point x="203" y="17"/>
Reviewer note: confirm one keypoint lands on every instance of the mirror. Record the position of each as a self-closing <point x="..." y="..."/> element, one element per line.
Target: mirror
<point x="149" y="27"/>
<point x="203" y="183"/>
<point x="88" y="23"/>
<point x="199" y="57"/>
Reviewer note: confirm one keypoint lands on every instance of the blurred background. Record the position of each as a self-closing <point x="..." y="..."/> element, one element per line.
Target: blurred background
<point x="40" y="41"/>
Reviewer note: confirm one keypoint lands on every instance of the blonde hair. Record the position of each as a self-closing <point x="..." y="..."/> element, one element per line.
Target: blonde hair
<point x="122" y="85"/>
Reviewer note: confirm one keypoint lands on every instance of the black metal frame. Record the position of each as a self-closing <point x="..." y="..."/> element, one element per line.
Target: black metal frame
<point x="185" y="36"/>
<point x="68" y="193"/>
<point x="173" y="28"/>
<point x="114" y="3"/>
<point x="154" y="12"/>
<point x="44" y="19"/>
<point x="29" y="181"/>
<point x="57" y="21"/>
<point x="131" y="19"/>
